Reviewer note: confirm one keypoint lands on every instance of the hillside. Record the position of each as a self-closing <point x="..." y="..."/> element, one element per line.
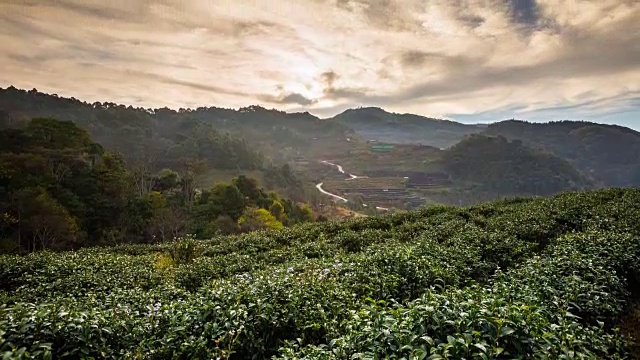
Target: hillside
<point x="283" y="150"/>
<point x="524" y="278"/>
<point x="227" y="142"/>
<point x="608" y="153"/>
<point x="497" y="167"/>
<point x="127" y="129"/>
<point x="138" y="134"/>
<point x="60" y="190"/>
<point x="377" y="124"/>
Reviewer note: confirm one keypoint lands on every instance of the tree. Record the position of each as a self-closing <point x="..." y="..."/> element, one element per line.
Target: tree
<point x="226" y="199"/>
<point x="226" y="225"/>
<point x="54" y="134"/>
<point x="305" y="211"/>
<point x="256" y="219"/>
<point x="169" y="223"/>
<point x="248" y="187"/>
<point x="50" y="223"/>
<point x="191" y="170"/>
<point x="277" y="210"/>
<point x="166" y="180"/>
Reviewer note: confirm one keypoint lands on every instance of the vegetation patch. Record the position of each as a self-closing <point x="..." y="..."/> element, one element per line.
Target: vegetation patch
<point x="528" y="278"/>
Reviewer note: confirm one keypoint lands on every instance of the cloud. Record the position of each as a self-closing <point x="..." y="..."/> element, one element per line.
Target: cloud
<point x="287" y="99"/>
<point x="332" y="91"/>
<point x="438" y="58"/>
<point x="186" y="84"/>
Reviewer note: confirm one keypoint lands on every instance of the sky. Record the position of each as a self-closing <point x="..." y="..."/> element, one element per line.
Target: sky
<point x="467" y="60"/>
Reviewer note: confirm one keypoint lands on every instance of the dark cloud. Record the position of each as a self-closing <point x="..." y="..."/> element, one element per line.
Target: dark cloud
<point x="329" y="91"/>
<point x="328" y="78"/>
<point x="248" y="28"/>
<point x="417" y="60"/>
<point x="472" y="21"/>
<point x="414" y="58"/>
<point x="295" y="98"/>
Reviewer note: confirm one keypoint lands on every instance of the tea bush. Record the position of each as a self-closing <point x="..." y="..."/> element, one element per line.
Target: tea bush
<point x="533" y="278"/>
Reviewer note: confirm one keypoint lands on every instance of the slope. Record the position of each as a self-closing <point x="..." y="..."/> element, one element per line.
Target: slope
<point x="543" y="278"/>
<point x="496" y="167"/>
<point x="125" y="128"/>
<point x="608" y="153"/>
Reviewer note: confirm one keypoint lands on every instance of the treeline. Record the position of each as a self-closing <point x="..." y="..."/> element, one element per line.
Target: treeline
<point x="59" y="189"/>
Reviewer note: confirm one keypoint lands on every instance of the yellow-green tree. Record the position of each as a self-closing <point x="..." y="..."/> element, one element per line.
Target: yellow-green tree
<point x="253" y="219"/>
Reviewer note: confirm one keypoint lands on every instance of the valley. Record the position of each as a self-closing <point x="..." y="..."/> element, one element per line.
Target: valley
<point x="371" y="157"/>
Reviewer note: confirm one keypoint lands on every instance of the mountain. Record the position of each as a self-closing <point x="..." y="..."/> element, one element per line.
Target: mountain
<point x="221" y="143"/>
<point x="126" y="129"/>
<point x="608" y="153"/>
<point x="374" y="123"/>
<point x="282" y="148"/>
<point x="491" y="167"/>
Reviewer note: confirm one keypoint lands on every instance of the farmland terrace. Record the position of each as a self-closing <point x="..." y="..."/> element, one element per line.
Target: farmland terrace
<point x="384" y="197"/>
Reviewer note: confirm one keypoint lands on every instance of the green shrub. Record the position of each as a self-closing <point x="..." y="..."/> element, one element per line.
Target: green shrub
<point x="541" y="278"/>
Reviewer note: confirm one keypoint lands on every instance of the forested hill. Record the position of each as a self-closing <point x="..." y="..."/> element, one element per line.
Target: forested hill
<point x="377" y="124"/>
<point x="497" y="167"/>
<point x="59" y="189"/>
<point x="143" y="137"/>
<point x="608" y="153"/>
<point x="228" y="138"/>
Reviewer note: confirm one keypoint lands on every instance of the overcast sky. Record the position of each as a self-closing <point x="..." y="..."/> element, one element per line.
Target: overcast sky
<point x="470" y="60"/>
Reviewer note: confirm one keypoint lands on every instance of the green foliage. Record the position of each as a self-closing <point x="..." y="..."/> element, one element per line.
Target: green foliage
<point x="529" y="278"/>
<point x="63" y="188"/>
<point x="167" y="179"/>
<point x="226" y="199"/>
<point x="253" y="219"/>
<point x="495" y="167"/>
<point x="605" y="152"/>
<point x="183" y="251"/>
<point x="62" y="191"/>
<point x="277" y="210"/>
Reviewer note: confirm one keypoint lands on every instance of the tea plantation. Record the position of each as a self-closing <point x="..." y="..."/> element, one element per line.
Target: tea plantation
<point x="524" y="278"/>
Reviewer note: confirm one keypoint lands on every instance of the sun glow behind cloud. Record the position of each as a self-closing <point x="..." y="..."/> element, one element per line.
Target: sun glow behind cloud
<point x="466" y="59"/>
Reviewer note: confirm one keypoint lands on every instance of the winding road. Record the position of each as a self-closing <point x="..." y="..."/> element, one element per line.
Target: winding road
<point x="351" y="177"/>
<point x="319" y="187"/>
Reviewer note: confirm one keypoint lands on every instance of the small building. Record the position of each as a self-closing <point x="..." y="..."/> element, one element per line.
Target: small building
<point x="381" y="148"/>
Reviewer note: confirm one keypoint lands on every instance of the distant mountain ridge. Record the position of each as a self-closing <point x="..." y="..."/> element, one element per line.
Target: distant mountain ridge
<point x="606" y="154"/>
<point x="377" y="124"/>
